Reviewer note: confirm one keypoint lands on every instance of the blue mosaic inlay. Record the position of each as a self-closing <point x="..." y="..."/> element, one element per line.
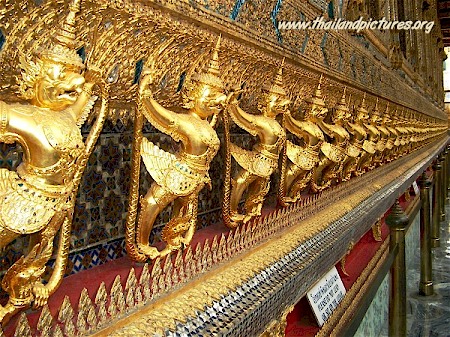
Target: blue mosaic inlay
<point x="273" y="17"/>
<point x="236" y="9"/>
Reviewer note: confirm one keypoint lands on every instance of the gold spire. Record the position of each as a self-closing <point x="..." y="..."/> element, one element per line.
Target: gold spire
<point x="386" y="116"/>
<point x="361" y="111"/>
<point x="62" y="48"/>
<point x="212" y="76"/>
<point x="277" y="86"/>
<point x="214" y="63"/>
<point x="376" y="110"/>
<point x="341" y="109"/>
<point x="317" y="98"/>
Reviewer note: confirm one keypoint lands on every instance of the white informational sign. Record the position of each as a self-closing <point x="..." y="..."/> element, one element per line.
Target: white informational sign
<point x="416" y="188"/>
<point x="325" y="296"/>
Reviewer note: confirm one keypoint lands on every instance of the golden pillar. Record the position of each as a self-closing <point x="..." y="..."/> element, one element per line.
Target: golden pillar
<point x="397" y="222"/>
<point x="437" y="168"/>
<point x="446" y="175"/>
<point x="426" y="283"/>
<point x="442" y="188"/>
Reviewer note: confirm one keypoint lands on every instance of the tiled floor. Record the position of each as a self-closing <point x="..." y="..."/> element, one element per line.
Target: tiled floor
<point x="429" y="316"/>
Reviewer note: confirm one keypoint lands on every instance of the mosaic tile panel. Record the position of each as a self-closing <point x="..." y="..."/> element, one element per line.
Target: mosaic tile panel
<point x="377" y="316"/>
<point x="412" y="249"/>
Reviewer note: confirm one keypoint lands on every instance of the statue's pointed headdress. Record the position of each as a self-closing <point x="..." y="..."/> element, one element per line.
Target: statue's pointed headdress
<point x="212" y="76"/>
<point x="341" y="109"/>
<point x="317" y="98"/>
<point x="376" y="110"/>
<point x="63" y="44"/>
<point x="362" y="108"/>
<point x="386" y="115"/>
<point x="61" y="50"/>
<point x="276" y="87"/>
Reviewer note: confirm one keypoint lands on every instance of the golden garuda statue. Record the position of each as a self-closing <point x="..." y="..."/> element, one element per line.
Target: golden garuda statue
<point x="403" y="133"/>
<point x="39" y="198"/>
<point x="388" y="135"/>
<point x="303" y="159"/>
<point x="257" y="165"/>
<point x="358" y="145"/>
<point x="333" y="153"/>
<point x="372" y="144"/>
<point x="177" y="177"/>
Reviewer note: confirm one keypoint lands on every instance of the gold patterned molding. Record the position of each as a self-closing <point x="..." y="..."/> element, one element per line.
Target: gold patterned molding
<point x="119" y="34"/>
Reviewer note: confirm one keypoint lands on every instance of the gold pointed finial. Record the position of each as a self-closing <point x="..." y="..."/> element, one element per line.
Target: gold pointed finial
<point x="277" y="85"/>
<point x="212" y="76"/>
<point x="343" y="96"/>
<point x="214" y="63"/>
<point x="362" y="110"/>
<point x="279" y="77"/>
<point x="318" y="93"/>
<point x="376" y="111"/>
<point x="341" y="110"/>
<point x="62" y="48"/>
<point x="363" y="102"/>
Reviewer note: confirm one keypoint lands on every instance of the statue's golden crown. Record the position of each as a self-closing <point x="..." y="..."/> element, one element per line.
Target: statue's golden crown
<point x="62" y="47"/>
<point x="276" y="87"/>
<point x="212" y="76"/>
<point x="341" y="110"/>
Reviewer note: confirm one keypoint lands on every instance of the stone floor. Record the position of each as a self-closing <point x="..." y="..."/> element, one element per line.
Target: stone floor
<point x="430" y="315"/>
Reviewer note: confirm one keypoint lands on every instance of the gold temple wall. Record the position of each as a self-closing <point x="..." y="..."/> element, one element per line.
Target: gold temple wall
<point x="116" y="36"/>
<point x="120" y="34"/>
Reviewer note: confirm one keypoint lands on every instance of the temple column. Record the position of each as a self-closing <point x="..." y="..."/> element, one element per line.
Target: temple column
<point x="443" y="190"/>
<point x="426" y="267"/>
<point x="437" y="168"/>
<point x="397" y="221"/>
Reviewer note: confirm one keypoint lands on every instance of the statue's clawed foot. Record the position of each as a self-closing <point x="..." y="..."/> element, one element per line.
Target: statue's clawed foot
<point x="41" y="295"/>
<point x="8" y="311"/>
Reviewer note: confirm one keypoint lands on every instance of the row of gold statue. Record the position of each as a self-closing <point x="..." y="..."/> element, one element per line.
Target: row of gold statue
<point x="38" y="199"/>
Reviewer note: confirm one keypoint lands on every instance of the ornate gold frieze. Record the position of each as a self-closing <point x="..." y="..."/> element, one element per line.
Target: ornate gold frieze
<point x="120" y="35"/>
<point x="171" y="41"/>
<point x="162" y="288"/>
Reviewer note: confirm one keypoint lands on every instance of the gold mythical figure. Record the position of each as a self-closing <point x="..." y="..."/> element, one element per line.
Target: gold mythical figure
<point x="332" y="154"/>
<point x="256" y="166"/>
<point x="388" y="136"/>
<point x="373" y="140"/>
<point x="39" y="198"/>
<point x="357" y="140"/>
<point x="303" y="159"/>
<point x="403" y="133"/>
<point x="179" y="177"/>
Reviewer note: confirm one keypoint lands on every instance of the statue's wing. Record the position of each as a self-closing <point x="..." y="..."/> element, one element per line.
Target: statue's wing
<point x="22" y="210"/>
<point x="301" y="157"/>
<point x="253" y="161"/>
<point x="170" y="172"/>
